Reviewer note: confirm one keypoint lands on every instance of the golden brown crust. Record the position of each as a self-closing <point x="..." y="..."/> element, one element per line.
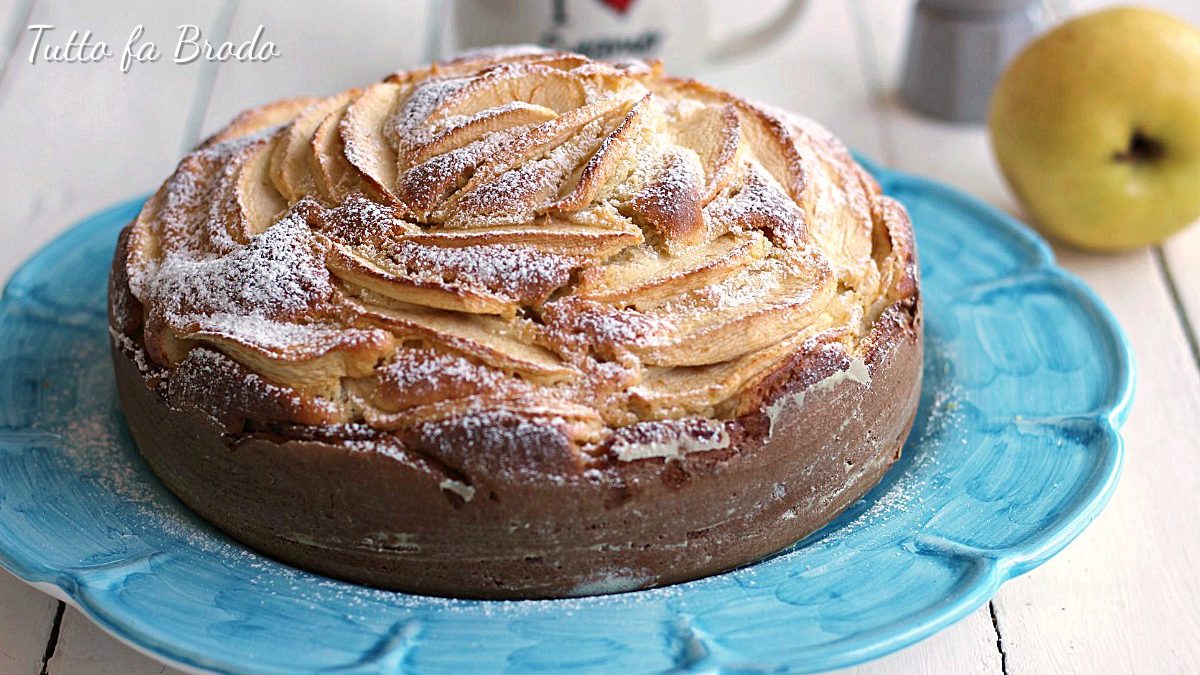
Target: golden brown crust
<point x="532" y="276"/>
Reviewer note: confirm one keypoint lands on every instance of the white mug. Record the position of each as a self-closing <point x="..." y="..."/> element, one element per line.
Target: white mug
<point x="681" y="33"/>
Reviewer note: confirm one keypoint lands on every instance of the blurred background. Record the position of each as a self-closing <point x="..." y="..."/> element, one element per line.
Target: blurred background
<point x="80" y="136"/>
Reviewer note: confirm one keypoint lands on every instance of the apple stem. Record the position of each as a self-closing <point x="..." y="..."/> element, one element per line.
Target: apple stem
<point x="1142" y="149"/>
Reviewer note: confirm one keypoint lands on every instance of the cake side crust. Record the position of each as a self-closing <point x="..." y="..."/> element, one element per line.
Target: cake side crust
<point x="380" y="512"/>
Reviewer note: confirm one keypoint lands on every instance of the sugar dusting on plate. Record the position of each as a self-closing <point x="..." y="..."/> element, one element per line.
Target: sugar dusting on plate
<point x="98" y="448"/>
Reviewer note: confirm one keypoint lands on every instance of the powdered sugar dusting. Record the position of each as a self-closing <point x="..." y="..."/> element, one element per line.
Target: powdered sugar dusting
<point x="518" y="194"/>
<point x="422" y="376"/>
<point x="410" y="125"/>
<point x="521" y="272"/>
<point x="514" y="150"/>
<point x="856" y="371"/>
<point x="761" y="204"/>
<point x="670" y="440"/>
<point x="459" y="488"/>
<point x="95" y="444"/>
<point x="279" y="275"/>
<point x="424" y="185"/>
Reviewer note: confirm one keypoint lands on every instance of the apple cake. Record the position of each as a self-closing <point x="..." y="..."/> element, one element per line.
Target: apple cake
<point x="518" y="325"/>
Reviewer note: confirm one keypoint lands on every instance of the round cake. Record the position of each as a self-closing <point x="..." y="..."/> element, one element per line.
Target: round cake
<point x="518" y="325"/>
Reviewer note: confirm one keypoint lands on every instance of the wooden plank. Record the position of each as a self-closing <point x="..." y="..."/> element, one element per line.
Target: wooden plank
<point x="12" y="27"/>
<point x="966" y="648"/>
<point x="78" y="137"/>
<point x="26" y="617"/>
<point x="1122" y="597"/>
<point x="84" y="648"/>
<point x="1181" y="256"/>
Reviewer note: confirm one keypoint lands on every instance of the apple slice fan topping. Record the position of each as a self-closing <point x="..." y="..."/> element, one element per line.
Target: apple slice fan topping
<point x="588" y="242"/>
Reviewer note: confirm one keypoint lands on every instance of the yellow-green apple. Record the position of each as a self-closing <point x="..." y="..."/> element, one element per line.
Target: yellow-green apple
<point x="1096" y="125"/>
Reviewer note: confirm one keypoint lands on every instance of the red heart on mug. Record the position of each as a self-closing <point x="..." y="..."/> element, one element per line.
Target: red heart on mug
<point x="621" y="6"/>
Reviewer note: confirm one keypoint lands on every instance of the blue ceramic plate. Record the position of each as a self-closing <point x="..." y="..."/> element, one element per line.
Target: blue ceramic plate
<point x="1015" y="450"/>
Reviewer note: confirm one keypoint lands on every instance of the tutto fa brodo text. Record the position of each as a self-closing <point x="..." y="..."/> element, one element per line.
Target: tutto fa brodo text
<point x="189" y="47"/>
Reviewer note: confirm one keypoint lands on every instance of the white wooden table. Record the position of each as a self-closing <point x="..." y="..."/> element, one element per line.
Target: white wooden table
<point x="1124" y="597"/>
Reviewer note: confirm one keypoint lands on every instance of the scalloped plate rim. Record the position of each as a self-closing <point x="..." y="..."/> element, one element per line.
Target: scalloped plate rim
<point x="988" y="576"/>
